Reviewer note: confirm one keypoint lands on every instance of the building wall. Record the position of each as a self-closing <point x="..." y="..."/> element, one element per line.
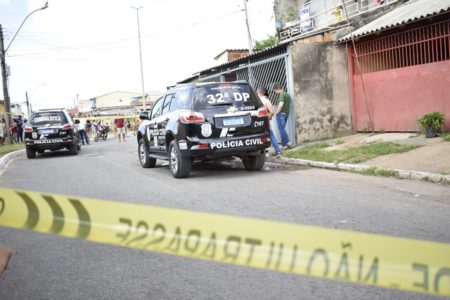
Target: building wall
<point x="84" y="105"/>
<point x="321" y="89"/>
<point x="233" y="55"/>
<point x="397" y="98"/>
<point x="115" y="99"/>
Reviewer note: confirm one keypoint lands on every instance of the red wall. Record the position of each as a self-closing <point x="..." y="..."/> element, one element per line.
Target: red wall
<point x="397" y="98"/>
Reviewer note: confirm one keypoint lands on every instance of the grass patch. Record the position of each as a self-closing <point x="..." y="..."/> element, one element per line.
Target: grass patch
<point x="339" y="142"/>
<point x="446" y="136"/>
<point x="5" y="149"/>
<point x="351" y="155"/>
<point x="381" y="172"/>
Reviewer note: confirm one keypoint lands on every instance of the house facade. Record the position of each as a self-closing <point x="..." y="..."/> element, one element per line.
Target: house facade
<point x="400" y="67"/>
<point x="329" y="59"/>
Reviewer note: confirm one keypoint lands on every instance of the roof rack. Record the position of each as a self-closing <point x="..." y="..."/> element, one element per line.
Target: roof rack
<point x="50" y="109"/>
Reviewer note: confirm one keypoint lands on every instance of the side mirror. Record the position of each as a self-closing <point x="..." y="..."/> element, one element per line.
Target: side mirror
<point x="144" y="115"/>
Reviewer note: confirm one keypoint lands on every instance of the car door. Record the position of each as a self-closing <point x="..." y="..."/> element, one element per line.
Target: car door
<point x="162" y="121"/>
<point x="152" y="128"/>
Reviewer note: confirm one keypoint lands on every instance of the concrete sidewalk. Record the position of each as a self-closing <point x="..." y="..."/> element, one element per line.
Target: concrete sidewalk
<point x="430" y="162"/>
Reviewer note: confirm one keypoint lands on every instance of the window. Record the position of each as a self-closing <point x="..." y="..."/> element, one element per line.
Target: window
<point x="182" y="99"/>
<point x="156" y="111"/>
<point x="48" y="118"/>
<point x="166" y="105"/>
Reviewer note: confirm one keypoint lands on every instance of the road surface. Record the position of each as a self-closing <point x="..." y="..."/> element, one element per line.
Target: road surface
<point x="51" y="267"/>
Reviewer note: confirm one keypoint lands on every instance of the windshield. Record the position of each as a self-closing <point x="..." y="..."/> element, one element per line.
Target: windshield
<point x="239" y="95"/>
<point x="48" y="118"/>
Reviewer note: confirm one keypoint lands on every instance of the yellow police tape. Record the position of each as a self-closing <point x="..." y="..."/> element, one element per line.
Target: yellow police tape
<point x="107" y="117"/>
<point x="382" y="261"/>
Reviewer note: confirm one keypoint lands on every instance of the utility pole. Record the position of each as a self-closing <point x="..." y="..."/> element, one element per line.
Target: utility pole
<point x="28" y="104"/>
<point x="5" y="82"/>
<point x="140" y="56"/>
<point x="250" y="42"/>
<point x="3" y="66"/>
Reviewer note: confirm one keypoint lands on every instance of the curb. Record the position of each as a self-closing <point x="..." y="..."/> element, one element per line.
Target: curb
<point x="364" y="169"/>
<point x="6" y="158"/>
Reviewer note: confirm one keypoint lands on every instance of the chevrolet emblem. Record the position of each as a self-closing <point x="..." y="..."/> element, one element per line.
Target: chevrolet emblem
<point x="232" y="109"/>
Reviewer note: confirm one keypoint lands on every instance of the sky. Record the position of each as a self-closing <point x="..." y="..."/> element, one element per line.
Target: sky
<point x="88" y="48"/>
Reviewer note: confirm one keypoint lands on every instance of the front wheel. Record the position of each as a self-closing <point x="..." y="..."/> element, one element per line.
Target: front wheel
<point x="254" y="163"/>
<point x="180" y="166"/>
<point x="105" y="136"/>
<point x="144" y="159"/>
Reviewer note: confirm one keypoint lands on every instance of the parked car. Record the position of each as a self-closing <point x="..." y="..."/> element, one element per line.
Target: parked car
<point x="51" y="129"/>
<point x="204" y="121"/>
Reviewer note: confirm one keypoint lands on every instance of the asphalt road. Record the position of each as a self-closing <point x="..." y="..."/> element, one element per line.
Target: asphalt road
<point x="50" y="267"/>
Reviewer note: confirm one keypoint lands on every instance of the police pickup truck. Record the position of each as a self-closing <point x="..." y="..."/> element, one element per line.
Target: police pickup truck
<point x="204" y="121"/>
<point x="51" y="129"/>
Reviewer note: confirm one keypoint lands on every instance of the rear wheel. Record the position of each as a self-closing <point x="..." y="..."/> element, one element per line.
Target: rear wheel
<point x="254" y="163"/>
<point x="144" y="159"/>
<point x="73" y="150"/>
<point x="31" y="153"/>
<point x="179" y="165"/>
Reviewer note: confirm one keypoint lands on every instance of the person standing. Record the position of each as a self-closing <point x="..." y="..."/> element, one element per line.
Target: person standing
<point x="262" y="93"/>
<point x="19" y="125"/>
<point x="284" y="106"/>
<point x="2" y="131"/>
<point x="120" y="125"/>
<point x="82" y="130"/>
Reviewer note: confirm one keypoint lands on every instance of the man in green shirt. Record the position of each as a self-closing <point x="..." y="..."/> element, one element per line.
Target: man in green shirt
<point x="284" y="105"/>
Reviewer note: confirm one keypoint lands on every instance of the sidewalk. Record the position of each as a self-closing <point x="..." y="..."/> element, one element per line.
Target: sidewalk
<point x="430" y="162"/>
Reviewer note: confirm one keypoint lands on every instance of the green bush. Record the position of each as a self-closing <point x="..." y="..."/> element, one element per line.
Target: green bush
<point x="434" y="120"/>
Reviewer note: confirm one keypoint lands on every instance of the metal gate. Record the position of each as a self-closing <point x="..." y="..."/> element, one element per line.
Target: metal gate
<point x="399" y="77"/>
<point x="264" y="71"/>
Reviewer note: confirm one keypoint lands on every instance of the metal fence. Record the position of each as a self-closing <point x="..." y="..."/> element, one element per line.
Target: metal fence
<point x="262" y="71"/>
<point x="423" y="45"/>
<point x="258" y="72"/>
<point x="325" y="14"/>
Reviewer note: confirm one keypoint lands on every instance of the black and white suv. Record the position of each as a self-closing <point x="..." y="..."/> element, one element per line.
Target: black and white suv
<point x="205" y="121"/>
<point x="51" y="129"/>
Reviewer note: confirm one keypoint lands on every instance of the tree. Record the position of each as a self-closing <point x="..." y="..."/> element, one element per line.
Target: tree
<point x="266" y="43"/>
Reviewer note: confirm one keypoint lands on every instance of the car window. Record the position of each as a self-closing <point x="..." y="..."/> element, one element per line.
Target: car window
<point x="156" y="111"/>
<point x="182" y="99"/>
<point x="166" y="105"/>
<point x="48" y="118"/>
<point x="226" y="94"/>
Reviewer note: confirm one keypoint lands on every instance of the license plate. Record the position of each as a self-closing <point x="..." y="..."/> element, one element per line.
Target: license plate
<point x="46" y="131"/>
<point x="233" y="121"/>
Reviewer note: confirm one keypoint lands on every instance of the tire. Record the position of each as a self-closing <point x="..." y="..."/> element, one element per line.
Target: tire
<point x="144" y="159"/>
<point x="254" y="163"/>
<point x="179" y="166"/>
<point x="73" y="150"/>
<point x="105" y="136"/>
<point x="30" y="153"/>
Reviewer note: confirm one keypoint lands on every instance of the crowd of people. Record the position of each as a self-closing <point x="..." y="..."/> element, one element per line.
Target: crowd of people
<point x="15" y="130"/>
<point x="87" y="128"/>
